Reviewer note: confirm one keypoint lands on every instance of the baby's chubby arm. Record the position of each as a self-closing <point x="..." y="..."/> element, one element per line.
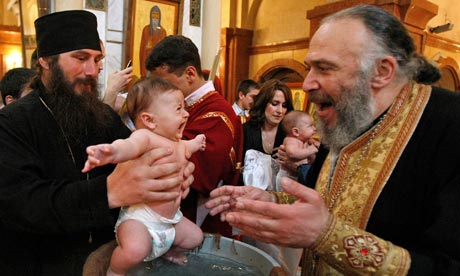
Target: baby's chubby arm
<point x="196" y="144"/>
<point x="98" y="155"/>
<point x="121" y="150"/>
<point x="297" y="150"/>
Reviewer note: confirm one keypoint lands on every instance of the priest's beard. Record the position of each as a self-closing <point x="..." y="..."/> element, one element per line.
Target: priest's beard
<point x="75" y="113"/>
<point x="355" y="111"/>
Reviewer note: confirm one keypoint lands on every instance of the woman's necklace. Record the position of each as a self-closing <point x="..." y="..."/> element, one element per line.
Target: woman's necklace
<point x="356" y="167"/>
<point x="268" y="140"/>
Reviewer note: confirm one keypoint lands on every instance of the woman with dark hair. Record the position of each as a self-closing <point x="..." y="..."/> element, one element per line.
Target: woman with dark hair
<point x="263" y="131"/>
<point x="263" y="135"/>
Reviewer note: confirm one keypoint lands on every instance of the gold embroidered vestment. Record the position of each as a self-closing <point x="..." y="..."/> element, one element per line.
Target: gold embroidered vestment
<point x="361" y="172"/>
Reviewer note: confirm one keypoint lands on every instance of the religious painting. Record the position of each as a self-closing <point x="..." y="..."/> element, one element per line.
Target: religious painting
<point x="195" y="13"/>
<point x="151" y="21"/>
<point x="299" y="97"/>
<point x="96" y="5"/>
<point x="301" y="102"/>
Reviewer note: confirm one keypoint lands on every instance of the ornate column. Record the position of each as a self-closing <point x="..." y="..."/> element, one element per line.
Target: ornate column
<point x="234" y="59"/>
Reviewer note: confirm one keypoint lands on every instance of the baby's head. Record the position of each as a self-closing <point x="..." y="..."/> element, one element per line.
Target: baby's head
<point x="156" y="104"/>
<point x="298" y="124"/>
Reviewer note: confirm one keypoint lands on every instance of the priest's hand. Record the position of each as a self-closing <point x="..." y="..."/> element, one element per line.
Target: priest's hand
<point x="223" y="199"/>
<point x="140" y="180"/>
<point x="293" y="225"/>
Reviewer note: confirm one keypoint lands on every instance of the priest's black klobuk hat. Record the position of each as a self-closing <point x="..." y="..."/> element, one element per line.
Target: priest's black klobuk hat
<point x="66" y="31"/>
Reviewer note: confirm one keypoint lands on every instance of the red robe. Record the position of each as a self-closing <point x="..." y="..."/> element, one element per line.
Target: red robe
<point x="213" y="116"/>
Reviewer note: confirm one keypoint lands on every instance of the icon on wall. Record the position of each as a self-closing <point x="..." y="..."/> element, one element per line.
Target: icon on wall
<point x="151" y="35"/>
<point x="150" y="21"/>
<point x="195" y="12"/>
<point x="96" y="4"/>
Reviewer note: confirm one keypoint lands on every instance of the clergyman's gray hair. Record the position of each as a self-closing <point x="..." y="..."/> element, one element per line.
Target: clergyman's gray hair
<point x="390" y="37"/>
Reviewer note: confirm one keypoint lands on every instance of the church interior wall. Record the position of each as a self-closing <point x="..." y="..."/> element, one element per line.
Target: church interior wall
<point x="271" y="31"/>
<point x="447" y="12"/>
<point x="257" y="62"/>
<point x="281" y="30"/>
<point x="63" y="5"/>
<point x="7" y="17"/>
<point x="278" y="21"/>
<point x="434" y="54"/>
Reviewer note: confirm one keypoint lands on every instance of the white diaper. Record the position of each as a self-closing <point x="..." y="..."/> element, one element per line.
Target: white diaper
<point x="160" y="228"/>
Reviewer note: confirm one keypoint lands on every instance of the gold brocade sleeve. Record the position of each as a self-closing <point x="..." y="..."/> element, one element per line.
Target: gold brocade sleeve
<point x="352" y="251"/>
<point x="283" y="198"/>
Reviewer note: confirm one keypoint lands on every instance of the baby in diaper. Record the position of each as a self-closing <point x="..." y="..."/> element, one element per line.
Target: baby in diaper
<point x="149" y="230"/>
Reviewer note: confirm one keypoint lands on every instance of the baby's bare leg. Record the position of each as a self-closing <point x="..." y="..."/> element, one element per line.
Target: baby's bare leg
<point x="135" y="244"/>
<point x="188" y="236"/>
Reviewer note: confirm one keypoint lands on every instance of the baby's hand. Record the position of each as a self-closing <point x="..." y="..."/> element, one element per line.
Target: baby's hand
<point x="312" y="148"/>
<point x="314" y="142"/>
<point x="98" y="155"/>
<point x="202" y="137"/>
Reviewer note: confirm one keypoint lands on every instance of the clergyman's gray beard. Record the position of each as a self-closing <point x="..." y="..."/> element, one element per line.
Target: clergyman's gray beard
<point x="355" y="109"/>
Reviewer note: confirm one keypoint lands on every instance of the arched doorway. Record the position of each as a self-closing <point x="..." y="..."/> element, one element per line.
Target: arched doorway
<point x="449" y="74"/>
<point x="290" y="72"/>
<point x="286" y="70"/>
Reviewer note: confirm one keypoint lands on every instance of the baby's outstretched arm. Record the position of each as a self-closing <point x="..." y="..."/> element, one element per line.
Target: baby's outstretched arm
<point x="120" y="150"/>
<point x="99" y="155"/>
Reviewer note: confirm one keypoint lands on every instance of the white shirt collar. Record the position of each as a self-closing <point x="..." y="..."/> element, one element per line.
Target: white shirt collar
<point x="237" y="108"/>
<point x="200" y="92"/>
<point x="239" y="111"/>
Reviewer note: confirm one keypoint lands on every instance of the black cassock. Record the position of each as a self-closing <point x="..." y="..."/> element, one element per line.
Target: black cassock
<point x="51" y="216"/>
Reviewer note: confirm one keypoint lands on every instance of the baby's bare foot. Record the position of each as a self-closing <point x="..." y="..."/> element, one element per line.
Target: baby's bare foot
<point x="177" y="258"/>
<point x="111" y="273"/>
